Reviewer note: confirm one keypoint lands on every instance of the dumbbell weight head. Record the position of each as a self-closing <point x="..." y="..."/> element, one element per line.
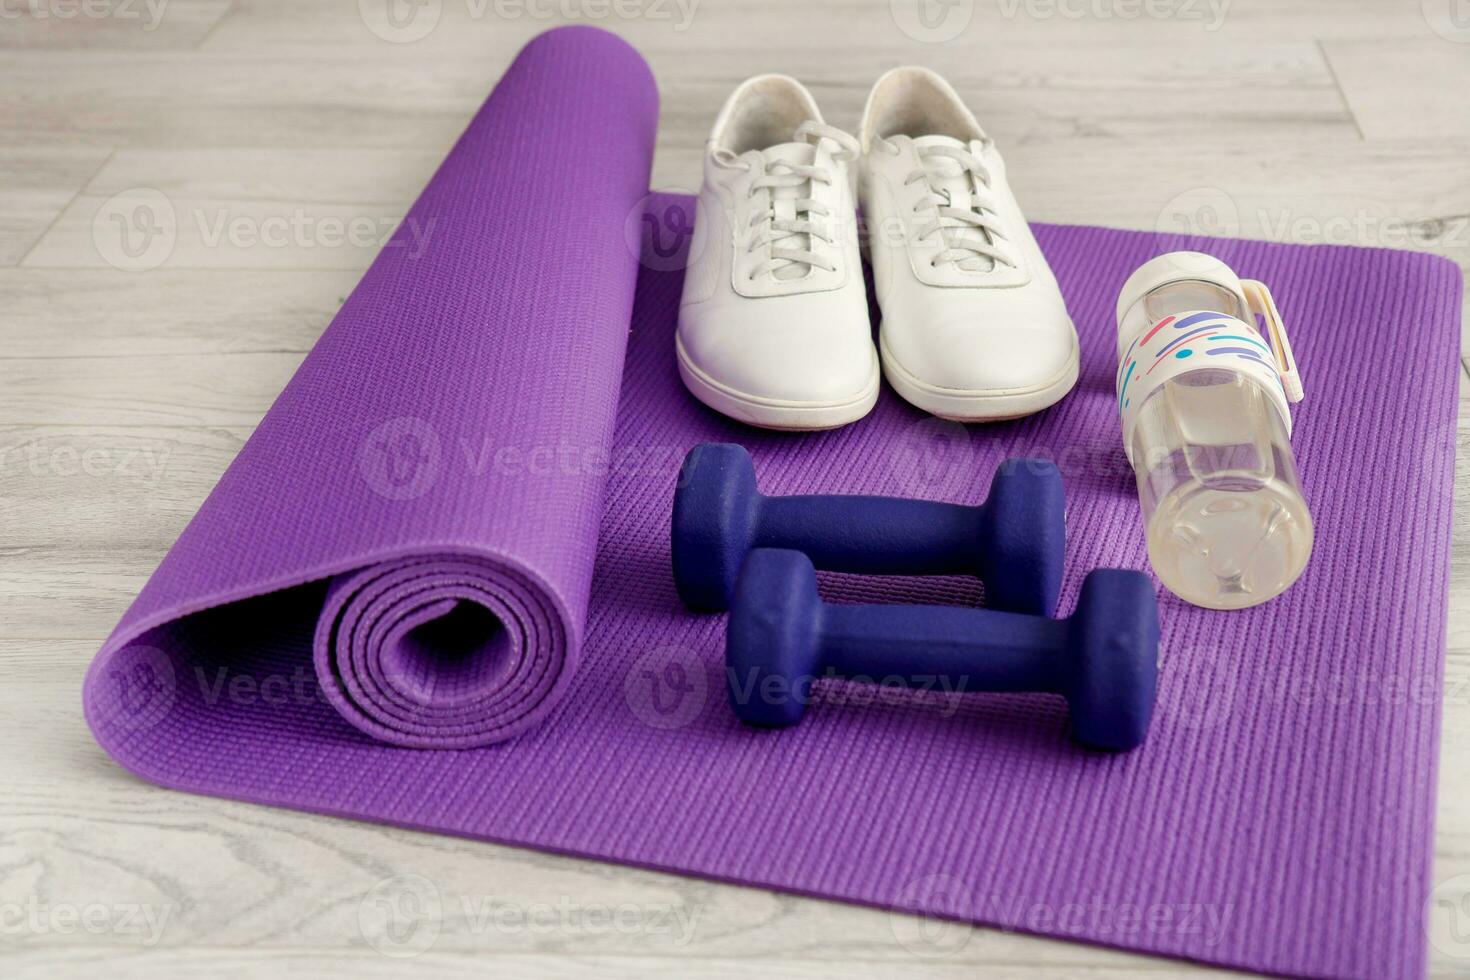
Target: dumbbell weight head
<point x="1111" y="679"/>
<point x="773" y="640"/>
<point x="715" y="509"/>
<point x="1023" y="540"/>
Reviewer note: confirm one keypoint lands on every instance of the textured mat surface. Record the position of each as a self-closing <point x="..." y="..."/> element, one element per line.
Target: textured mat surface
<point x="469" y="428"/>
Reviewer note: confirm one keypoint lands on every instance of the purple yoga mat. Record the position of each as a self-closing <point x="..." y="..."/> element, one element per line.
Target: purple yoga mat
<point x="452" y="527"/>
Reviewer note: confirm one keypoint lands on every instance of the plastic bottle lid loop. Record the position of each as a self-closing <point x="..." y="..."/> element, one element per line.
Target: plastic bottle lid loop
<point x="1261" y="303"/>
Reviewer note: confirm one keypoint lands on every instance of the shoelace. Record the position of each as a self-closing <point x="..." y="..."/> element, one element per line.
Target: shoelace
<point x="788" y="238"/>
<point x="969" y="234"/>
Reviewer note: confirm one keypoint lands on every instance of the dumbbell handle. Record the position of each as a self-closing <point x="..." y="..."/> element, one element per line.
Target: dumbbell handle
<point x="982" y="649"/>
<point x="873" y="535"/>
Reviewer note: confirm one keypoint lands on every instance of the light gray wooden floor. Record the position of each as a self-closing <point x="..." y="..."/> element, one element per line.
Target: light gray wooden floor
<point x="125" y="391"/>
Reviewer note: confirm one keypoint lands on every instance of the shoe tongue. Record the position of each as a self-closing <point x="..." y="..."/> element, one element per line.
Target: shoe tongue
<point x="783" y="199"/>
<point x="802" y="153"/>
<point x="947" y="176"/>
<point x="922" y="142"/>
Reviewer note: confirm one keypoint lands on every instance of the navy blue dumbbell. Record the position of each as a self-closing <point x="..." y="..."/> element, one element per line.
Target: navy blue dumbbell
<point x="1015" y="542"/>
<point x="1103" y="659"/>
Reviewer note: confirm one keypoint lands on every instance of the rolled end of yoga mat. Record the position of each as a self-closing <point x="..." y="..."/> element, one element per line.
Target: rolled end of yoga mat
<point x="435" y="459"/>
<point x="441" y="653"/>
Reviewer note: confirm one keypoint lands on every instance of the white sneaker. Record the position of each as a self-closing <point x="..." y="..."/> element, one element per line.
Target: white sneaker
<point x="974" y="327"/>
<point x="773" y="324"/>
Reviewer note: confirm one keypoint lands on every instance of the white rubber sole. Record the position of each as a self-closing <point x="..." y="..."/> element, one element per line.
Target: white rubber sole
<point x="771" y="413"/>
<point x="985" y="405"/>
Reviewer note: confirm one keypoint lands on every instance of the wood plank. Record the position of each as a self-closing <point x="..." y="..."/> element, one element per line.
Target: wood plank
<point x="448" y="27"/>
<point x="173" y="389"/>
<point x="1217" y="94"/>
<point x="71" y="594"/>
<point x="36" y="184"/>
<point x="117" y="488"/>
<point x="126" y="316"/>
<point x="1372" y="75"/>
<point x="174" y="99"/>
<point x="1338" y="191"/>
<point x="287" y="208"/>
<point x="366" y="176"/>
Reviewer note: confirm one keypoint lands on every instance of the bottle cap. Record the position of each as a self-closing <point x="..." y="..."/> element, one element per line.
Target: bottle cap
<point x="1175" y="267"/>
<point x="1202" y="339"/>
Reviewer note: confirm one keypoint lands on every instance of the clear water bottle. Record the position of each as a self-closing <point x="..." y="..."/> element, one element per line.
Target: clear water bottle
<point x="1203" y="395"/>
